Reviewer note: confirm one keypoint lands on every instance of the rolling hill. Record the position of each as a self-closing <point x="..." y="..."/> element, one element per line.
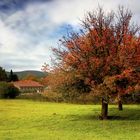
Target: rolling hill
<point x="22" y="74"/>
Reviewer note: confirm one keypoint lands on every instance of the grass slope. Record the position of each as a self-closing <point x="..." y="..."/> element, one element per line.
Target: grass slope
<point x="30" y="120"/>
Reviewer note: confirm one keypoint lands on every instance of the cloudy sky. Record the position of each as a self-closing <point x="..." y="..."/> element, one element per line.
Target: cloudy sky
<point x="29" y="28"/>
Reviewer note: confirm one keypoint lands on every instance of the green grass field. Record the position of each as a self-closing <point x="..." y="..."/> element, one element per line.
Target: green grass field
<point x="30" y="120"/>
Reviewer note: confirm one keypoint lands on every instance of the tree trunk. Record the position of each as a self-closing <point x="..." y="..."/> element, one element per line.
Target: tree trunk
<point x="104" y="113"/>
<point x="120" y="106"/>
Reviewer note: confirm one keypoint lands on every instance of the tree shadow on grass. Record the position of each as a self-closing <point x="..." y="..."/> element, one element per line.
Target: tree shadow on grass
<point x="82" y="117"/>
<point x="126" y="114"/>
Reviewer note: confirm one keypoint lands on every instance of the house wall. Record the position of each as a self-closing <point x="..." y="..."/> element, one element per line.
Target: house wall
<point x="31" y="89"/>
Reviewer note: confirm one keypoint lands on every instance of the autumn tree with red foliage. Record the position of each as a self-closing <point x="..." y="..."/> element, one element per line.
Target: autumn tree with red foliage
<point x="105" y="54"/>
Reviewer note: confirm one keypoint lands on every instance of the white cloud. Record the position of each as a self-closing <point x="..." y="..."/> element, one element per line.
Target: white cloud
<point x="7" y="39"/>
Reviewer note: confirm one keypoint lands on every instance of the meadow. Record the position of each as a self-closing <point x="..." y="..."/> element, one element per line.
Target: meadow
<point x="34" y="120"/>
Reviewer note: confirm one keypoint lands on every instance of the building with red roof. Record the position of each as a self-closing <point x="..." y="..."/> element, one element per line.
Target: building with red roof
<point x="29" y="86"/>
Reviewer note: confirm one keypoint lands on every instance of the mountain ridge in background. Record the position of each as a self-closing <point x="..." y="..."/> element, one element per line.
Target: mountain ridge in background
<point x="22" y="74"/>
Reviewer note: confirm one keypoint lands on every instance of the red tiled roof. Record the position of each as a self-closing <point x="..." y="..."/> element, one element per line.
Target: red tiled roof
<point x="27" y="83"/>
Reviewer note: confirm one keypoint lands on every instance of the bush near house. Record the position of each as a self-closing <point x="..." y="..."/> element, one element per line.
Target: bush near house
<point x="8" y="90"/>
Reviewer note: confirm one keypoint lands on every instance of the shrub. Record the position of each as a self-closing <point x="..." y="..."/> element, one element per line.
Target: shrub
<point x="52" y="96"/>
<point x="3" y="89"/>
<point x="32" y="96"/>
<point x="8" y="90"/>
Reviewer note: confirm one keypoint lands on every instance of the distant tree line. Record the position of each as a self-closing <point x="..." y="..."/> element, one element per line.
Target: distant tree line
<point x="12" y="77"/>
<point x="3" y="75"/>
<point x="8" y="78"/>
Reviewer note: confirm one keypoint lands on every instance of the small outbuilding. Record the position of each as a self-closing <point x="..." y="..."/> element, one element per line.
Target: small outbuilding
<point x="29" y="86"/>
